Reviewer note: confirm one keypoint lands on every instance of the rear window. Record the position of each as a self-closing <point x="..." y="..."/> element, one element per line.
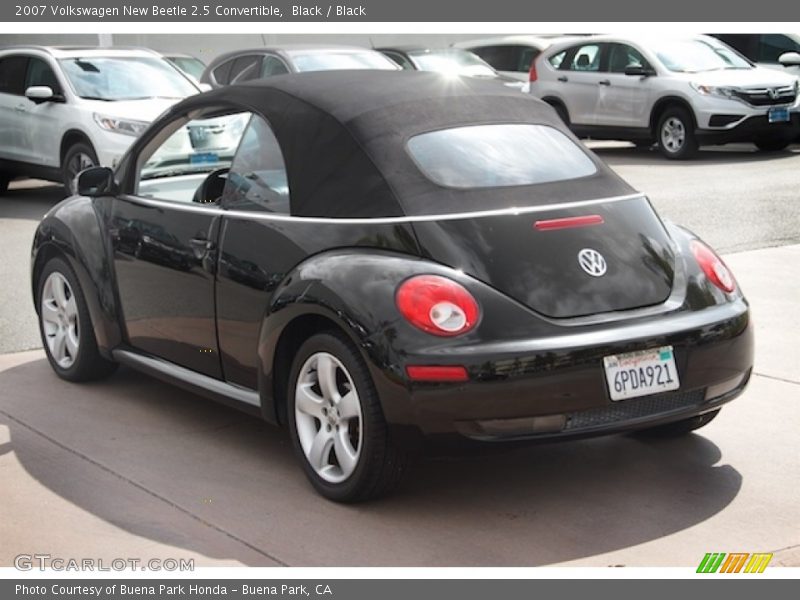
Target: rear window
<point x="484" y="156"/>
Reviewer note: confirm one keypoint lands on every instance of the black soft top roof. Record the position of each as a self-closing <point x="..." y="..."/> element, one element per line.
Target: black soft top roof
<point x="344" y="134"/>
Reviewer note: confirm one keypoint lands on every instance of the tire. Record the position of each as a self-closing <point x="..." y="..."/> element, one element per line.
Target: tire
<point x="80" y="156"/>
<point x="675" y="134"/>
<point x="4" y="181"/>
<point x="772" y="144"/>
<point x="323" y="428"/>
<point x="679" y="428"/>
<point x="562" y="112"/>
<point x="66" y="327"/>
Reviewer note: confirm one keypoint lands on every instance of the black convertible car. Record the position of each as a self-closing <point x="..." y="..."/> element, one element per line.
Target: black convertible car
<point x="385" y="262"/>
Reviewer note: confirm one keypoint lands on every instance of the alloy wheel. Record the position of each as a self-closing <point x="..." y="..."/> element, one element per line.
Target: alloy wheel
<point x="328" y="417"/>
<point x="673" y="134"/>
<point x="59" y="315"/>
<point x="77" y="163"/>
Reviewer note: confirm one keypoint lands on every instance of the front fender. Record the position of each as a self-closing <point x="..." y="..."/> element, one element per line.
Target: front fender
<point x="73" y="230"/>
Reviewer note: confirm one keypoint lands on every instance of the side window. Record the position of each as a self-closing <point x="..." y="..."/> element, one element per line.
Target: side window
<point x="622" y="56"/>
<point x="501" y="58"/>
<point x="586" y="58"/>
<point x="188" y="161"/>
<point x="557" y="59"/>
<point x="222" y="74"/>
<point x="772" y="45"/>
<point x="400" y="60"/>
<point x="40" y="73"/>
<point x="526" y="55"/>
<point x="257" y="180"/>
<point x="272" y="65"/>
<point x="12" y="74"/>
<point x="245" y="68"/>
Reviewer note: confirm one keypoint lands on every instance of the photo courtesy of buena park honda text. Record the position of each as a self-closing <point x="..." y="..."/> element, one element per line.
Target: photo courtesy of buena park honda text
<point x="399" y="300"/>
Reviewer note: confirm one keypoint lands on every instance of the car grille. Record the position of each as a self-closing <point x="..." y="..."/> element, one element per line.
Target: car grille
<point x="767" y="96"/>
<point x="635" y="408"/>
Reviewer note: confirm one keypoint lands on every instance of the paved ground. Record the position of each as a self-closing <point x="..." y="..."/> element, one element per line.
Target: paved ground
<point x="131" y="467"/>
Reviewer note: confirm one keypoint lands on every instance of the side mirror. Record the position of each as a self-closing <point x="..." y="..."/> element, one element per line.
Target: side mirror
<point x="40" y="93"/>
<point x="790" y="59"/>
<point x="639" y="71"/>
<point x="95" y="181"/>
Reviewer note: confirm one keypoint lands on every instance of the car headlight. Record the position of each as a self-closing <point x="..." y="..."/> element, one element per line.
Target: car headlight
<point x="117" y="125"/>
<point x="713" y="90"/>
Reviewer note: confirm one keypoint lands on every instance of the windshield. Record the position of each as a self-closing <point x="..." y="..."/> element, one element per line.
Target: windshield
<point x="696" y="56"/>
<point x="336" y="61"/>
<point x="456" y="62"/>
<point x="482" y="156"/>
<point x="125" y="78"/>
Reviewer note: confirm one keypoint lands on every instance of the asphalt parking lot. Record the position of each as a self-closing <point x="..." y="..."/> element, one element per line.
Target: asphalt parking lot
<point x="131" y="467"/>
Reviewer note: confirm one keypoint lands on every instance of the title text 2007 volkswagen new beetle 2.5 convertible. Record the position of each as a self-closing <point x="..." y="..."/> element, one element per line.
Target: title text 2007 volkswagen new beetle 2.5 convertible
<point x="385" y="261"/>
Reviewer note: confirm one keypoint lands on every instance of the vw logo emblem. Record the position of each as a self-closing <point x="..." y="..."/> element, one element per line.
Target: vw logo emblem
<point x="592" y="262"/>
<point x="773" y="93"/>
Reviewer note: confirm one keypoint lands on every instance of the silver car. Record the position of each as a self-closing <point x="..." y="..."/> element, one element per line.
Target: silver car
<point x="260" y="63"/>
<point x="678" y="92"/>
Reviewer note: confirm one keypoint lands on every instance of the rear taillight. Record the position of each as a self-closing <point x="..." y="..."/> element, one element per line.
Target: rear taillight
<point x="712" y="265"/>
<point x="532" y="75"/>
<point x="437" y="305"/>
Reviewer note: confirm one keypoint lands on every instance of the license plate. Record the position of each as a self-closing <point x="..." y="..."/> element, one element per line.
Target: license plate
<point x="778" y="115"/>
<point x="641" y="373"/>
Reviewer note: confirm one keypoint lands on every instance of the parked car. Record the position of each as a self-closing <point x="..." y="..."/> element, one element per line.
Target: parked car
<point x="190" y="65"/>
<point x="259" y="63"/>
<point x="450" y="61"/>
<point x="391" y="261"/>
<point x="65" y="109"/>
<point x="510" y="55"/>
<point x="679" y="92"/>
<point x="779" y="51"/>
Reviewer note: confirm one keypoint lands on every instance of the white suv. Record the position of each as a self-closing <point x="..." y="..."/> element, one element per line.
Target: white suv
<point x="65" y="109"/>
<point x="680" y="92"/>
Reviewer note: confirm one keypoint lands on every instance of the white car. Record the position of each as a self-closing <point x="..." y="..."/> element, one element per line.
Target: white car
<point x="66" y="109"/>
<point x="240" y="66"/>
<point x="680" y="92"/>
<point x="510" y="55"/>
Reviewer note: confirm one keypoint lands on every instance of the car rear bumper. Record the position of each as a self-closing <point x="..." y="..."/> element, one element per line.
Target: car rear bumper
<point x="561" y="392"/>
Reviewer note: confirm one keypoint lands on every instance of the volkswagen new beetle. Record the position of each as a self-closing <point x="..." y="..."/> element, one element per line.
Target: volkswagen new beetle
<point x="384" y="263"/>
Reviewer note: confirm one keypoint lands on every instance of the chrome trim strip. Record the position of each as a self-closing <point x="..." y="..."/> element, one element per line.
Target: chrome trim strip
<point x="192" y="378"/>
<point x="240" y="214"/>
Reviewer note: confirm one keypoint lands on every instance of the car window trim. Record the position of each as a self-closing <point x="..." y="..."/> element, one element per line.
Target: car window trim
<point x="243" y="214"/>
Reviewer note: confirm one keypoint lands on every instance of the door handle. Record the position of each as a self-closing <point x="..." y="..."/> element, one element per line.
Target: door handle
<point x="563" y="78"/>
<point x="202" y="244"/>
<point x="20" y="108"/>
<point x="604" y="82"/>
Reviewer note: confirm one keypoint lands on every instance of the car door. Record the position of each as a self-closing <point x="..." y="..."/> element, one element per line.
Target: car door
<point x="625" y="100"/>
<point x="253" y="253"/>
<point x="580" y="79"/>
<point x="164" y="236"/>
<point x="13" y="105"/>
<point x="42" y="122"/>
